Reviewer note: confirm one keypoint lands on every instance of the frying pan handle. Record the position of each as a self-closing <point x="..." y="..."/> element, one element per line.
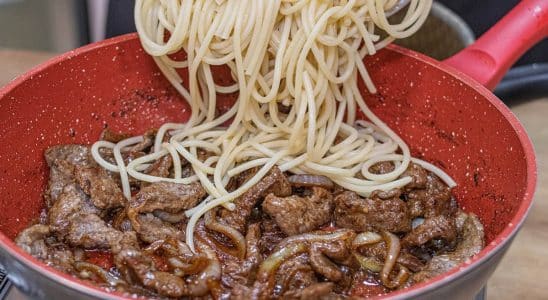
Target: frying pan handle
<point x="488" y="59"/>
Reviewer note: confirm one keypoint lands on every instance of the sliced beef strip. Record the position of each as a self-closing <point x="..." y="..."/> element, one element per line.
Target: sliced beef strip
<point x="140" y="268"/>
<point x="103" y="190"/>
<point x="295" y="274"/>
<point x="406" y="259"/>
<point x="274" y="182"/>
<point x="271" y="236"/>
<point x="74" y="219"/>
<point x="385" y="195"/>
<point x="113" y="136"/>
<point x="167" y="196"/>
<point x="161" y="196"/>
<point x="151" y="228"/>
<point x="359" y="214"/>
<point x="91" y="232"/>
<point x="440" y="227"/>
<point x="418" y="175"/>
<point x="127" y="240"/>
<point x="296" y="215"/>
<point x="435" y="199"/>
<point x="70" y="202"/>
<point x="144" y="146"/>
<point x="471" y="237"/>
<point x="62" y="160"/>
<point x="382" y="167"/>
<point x="161" y="167"/>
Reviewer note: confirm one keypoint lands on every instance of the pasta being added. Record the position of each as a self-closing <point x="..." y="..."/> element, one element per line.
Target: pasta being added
<point x="296" y="66"/>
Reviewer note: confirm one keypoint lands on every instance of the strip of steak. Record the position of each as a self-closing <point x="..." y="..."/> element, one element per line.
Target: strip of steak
<point x="274" y="182"/>
<point x="295" y="214"/>
<point x="354" y="212"/>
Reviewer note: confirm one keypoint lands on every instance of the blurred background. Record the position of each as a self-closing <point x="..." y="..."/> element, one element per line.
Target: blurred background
<point x="56" y="26"/>
<point x="61" y="25"/>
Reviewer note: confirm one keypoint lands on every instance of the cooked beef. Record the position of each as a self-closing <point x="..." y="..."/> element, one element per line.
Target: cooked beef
<point x="240" y="292"/>
<point x="151" y="228"/>
<point x="141" y="268"/>
<point x="61" y="161"/>
<point x="359" y="214"/>
<point x="471" y="236"/>
<point x="271" y="236"/>
<point x="161" y="196"/>
<point x="161" y="167"/>
<point x="406" y="259"/>
<point x="310" y="223"/>
<point x="274" y="182"/>
<point x="70" y="202"/>
<point x="385" y="195"/>
<point x="103" y="190"/>
<point x="435" y="199"/>
<point x="90" y="232"/>
<point x="382" y="167"/>
<point x="440" y="227"/>
<point x="169" y="217"/>
<point x="166" y="196"/>
<point x="124" y="241"/>
<point x="418" y="175"/>
<point x="295" y="274"/>
<point x="113" y="136"/>
<point x="144" y="146"/>
<point x="295" y="214"/>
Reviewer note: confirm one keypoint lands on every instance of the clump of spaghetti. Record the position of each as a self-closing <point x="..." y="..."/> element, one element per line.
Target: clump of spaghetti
<point x="304" y="55"/>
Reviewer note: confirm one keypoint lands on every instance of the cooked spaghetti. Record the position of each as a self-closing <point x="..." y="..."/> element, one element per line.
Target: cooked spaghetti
<point x="305" y="55"/>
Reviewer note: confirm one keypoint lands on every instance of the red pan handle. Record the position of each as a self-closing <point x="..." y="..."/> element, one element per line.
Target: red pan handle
<point x="488" y="59"/>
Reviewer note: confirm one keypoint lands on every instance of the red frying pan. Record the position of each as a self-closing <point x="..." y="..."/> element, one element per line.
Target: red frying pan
<point x="444" y="110"/>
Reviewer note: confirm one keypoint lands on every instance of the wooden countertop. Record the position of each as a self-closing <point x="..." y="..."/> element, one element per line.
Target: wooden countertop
<point x="523" y="271"/>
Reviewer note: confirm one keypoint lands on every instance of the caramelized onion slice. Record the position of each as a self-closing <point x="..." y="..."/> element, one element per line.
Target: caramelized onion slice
<point x="366" y="238"/>
<point x="273" y="262"/>
<point x="169" y="217"/>
<point x="199" y="286"/>
<point x="318" y="236"/>
<point x="369" y="263"/>
<point x="101" y="273"/>
<point x="238" y="240"/>
<point x="321" y="264"/>
<point x="264" y="284"/>
<point x="393" y="250"/>
<point x="307" y="180"/>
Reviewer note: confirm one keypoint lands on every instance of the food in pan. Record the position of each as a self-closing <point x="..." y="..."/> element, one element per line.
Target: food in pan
<point x="285" y="193"/>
